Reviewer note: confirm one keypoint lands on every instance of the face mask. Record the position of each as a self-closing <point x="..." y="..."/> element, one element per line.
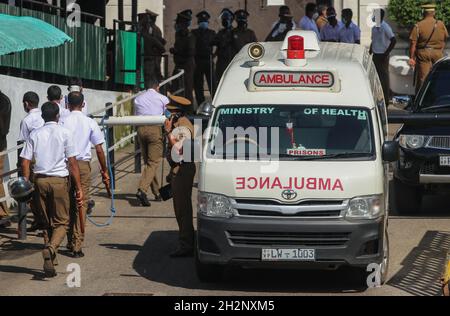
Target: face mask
<point x="167" y="114"/>
<point x="242" y="24"/>
<point x="331" y="18"/>
<point x="344" y="21"/>
<point x="226" y="23"/>
<point x="203" y="25"/>
<point x="315" y="16"/>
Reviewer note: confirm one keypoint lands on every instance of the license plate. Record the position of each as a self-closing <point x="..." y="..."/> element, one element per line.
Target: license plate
<point x="288" y="254"/>
<point x="444" y="161"/>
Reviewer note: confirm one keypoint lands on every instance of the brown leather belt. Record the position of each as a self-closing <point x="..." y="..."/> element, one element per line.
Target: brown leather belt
<point x="44" y="176"/>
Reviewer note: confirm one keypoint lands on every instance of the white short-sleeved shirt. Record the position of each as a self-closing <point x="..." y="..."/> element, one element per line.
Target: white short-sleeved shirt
<point x="50" y="145"/>
<point x="307" y="24"/>
<point x="150" y="103"/>
<point x="381" y="38"/>
<point x="350" y="34"/>
<point x="32" y="121"/>
<point x="85" y="132"/>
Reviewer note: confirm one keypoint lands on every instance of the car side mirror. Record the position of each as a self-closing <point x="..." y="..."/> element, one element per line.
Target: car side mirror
<point x="402" y="101"/>
<point x="391" y="151"/>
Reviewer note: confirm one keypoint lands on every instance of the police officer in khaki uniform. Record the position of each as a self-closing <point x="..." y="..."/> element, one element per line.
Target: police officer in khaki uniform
<point x="180" y="132"/>
<point x="242" y="35"/>
<point x="428" y="39"/>
<point x="53" y="166"/>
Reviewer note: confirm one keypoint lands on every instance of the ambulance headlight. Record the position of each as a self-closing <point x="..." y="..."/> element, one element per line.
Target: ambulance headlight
<point x="256" y="51"/>
<point x="412" y="141"/>
<point x="366" y="207"/>
<point x="215" y="205"/>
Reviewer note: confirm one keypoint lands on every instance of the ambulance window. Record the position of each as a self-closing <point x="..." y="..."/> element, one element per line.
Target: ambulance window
<point x="292" y="132"/>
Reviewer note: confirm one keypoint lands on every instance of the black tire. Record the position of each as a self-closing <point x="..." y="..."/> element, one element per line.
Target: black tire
<point x="407" y="198"/>
<point x="208" y="273"/>
<point x="364" y="275"/>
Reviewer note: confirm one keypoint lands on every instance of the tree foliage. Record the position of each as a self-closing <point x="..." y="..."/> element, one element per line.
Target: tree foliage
<point x="408" y="12"/>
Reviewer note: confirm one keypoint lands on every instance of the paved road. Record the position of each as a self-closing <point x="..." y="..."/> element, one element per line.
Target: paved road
<point x="131" y="256"/>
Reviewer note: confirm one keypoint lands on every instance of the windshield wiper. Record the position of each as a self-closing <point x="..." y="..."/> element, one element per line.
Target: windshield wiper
<point x="436" y="107"/>
<point x="330" y="156"/>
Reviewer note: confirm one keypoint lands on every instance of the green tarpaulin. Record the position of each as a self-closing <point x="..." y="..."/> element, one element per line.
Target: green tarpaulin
<point x="21" y="33"/>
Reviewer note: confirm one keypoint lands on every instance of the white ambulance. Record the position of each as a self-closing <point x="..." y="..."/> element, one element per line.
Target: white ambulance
<point x="295" y="169"/>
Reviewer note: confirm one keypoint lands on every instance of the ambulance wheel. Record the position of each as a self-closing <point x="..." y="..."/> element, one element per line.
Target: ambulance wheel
<point x="208" y="273"/>
<point x="407" y="198"/>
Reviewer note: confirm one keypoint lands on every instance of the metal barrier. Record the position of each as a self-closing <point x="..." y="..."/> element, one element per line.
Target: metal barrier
<point x="108" y="111"/>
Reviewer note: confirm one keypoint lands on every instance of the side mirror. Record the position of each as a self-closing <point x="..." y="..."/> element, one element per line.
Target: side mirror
<point x="391" y="151"/>
<point x="402" y="102"/>
<point x="206" y="109"/>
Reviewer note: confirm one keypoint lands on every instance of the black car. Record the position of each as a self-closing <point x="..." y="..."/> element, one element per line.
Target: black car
<point x="424" y="164"/>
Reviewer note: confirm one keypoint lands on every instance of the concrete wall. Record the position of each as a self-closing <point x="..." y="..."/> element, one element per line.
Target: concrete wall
<point x="15" y="88"/>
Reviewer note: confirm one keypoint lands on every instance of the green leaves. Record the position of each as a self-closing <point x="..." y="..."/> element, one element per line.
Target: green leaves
<point x="408" y="12"/>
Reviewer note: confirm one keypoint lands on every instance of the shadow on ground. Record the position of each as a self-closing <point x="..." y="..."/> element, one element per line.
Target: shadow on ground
<point x="422" y="268"/>
<point x="153" y="262"/>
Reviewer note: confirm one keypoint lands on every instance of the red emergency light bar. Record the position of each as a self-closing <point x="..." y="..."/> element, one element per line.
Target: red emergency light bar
<point x="296" y="47"/>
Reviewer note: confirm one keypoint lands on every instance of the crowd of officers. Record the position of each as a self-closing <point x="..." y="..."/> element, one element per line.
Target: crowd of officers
<point x="205" y="54"/>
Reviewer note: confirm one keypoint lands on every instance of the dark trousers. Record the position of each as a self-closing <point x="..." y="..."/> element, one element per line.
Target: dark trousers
<point x="204" y="69"/>
<point x="188" y="81"/>
<point x="381" y="62"/>
<point x="152" y="69"/>
<point x="182" y="182"/>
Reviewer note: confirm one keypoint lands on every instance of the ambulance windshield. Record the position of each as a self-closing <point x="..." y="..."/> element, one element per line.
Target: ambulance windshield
<point x="291" y="132"/>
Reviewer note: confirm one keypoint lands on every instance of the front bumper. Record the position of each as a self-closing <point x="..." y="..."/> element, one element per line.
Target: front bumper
<point x="421" y="166"/>
<point x="239" y="241"/>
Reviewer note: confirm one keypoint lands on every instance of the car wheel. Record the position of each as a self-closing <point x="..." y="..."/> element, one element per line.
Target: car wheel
<point x="407" y="198"/>
<point x="208" y="272"/>
<point x="384" y="269"/>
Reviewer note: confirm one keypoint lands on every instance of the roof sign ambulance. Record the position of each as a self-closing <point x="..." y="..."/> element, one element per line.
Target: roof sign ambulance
<point x="262" y="79"/>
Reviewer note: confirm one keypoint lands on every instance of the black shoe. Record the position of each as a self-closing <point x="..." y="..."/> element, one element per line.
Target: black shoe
<point x="49" y="267"/>
<point x="90" y="207"/>
<point x="158" y="198"/>
<point x="4" y="223"/>
<point x="77" y="254"/>
<point x="142" y="197"/>
<point x="35" y="226"/>
<point x="69" y="247"/>
<point x="182" y="253"/>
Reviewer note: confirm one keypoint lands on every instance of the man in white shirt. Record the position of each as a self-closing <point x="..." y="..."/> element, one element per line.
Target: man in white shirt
<point x="54" y="94"/>
<point x="308" y="22"/>
<point x="76" y="85"/>
<point x="54" y="151"/>
<point x="151" y="140"/>
<point x="349" y="32"/>
<point x="383" y="42"/>
<point x="86" y="133"/>
<point x="33" y="119"/>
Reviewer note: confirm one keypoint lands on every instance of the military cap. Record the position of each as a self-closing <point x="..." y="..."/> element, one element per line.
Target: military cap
<point x="227" y="13"/>
<point x="185" y="15"/>
<point x="203" y="16"/>
<point x="285" y="12"/>
<point x="429" y="6"/>
<point x="241" y="15"/>
<point x="178" y="103"/>
<point x="151" y="13"/>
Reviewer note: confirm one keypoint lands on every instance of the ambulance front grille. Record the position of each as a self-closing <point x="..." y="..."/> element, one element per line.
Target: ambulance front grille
<point x="334" y="213"/>
<point x="274" y="239"/>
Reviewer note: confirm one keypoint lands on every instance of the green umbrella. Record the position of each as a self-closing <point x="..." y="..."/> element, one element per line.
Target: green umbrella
<point x="19" y="33"/>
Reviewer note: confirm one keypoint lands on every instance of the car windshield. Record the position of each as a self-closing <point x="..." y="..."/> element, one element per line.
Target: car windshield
<point x="291" y="132"/>
<point x="437" y="93"/>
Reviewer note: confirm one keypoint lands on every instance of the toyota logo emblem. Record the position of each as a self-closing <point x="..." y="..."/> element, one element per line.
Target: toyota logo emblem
<point x="289" y="195"/>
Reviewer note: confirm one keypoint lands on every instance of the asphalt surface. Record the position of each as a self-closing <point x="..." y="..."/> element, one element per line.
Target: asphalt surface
<point x="131" y="257"/>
